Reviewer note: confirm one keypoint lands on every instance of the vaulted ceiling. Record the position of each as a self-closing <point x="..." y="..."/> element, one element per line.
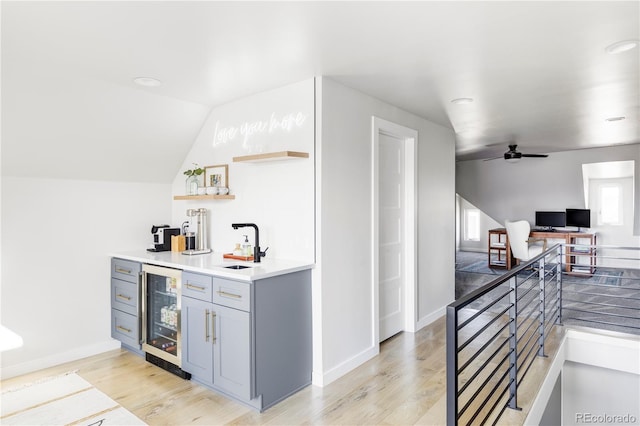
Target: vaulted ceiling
<point x="537" y="72"/>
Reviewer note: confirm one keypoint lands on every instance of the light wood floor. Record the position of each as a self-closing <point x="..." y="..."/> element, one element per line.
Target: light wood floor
<point x="404" y="385"/>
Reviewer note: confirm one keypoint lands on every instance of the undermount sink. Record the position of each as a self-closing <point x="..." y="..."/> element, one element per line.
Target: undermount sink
<point x="237" y="267"/>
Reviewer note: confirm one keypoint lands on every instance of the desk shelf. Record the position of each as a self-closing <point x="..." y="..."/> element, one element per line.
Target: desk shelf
<point x="581" y="257"/>
<point x="499" y="249"/>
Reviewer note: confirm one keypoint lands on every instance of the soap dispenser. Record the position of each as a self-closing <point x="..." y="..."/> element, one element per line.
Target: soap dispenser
<point x="246" y="247"/>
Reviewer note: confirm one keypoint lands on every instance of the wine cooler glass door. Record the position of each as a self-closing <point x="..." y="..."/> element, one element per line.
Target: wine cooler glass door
<point x="162" y="316"/>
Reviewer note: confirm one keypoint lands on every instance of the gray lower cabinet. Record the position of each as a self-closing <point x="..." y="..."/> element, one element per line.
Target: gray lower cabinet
<point x="232" y="352"/>
<point x="216" y="346"/>
<point x="250" y="341"/>
<point x="125" y="303"/>
<point x="197" y="339"/>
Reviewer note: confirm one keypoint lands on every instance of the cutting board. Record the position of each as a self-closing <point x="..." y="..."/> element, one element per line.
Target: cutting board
<point x="233" y="256"/>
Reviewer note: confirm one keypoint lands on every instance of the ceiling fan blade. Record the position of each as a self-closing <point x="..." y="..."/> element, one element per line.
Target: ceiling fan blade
<point x="536" y="155"/>
<point x="494" y="158"/>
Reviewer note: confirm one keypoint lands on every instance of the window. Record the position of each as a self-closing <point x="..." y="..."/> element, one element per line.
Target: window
<point x="609" y="193"/>
<point x="610" y="209"/>
<point x="472" y="225"/>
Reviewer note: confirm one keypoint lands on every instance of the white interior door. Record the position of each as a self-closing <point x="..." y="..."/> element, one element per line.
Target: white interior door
<point x="391" y="235"/>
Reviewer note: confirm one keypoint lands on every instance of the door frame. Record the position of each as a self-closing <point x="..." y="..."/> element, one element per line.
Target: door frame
<point x="410" y="137"/>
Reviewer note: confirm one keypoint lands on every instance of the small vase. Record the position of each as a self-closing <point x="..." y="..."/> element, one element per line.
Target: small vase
<point x="192" y="185"/>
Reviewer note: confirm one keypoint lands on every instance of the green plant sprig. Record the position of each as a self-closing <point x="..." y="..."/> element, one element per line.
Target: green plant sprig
<point x="196" y="171"/>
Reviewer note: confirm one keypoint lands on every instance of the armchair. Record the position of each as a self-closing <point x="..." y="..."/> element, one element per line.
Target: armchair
<point x="522" y="246"/>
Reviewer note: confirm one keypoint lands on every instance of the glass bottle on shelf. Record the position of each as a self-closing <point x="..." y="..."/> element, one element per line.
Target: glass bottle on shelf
<point x="192" y="185"/>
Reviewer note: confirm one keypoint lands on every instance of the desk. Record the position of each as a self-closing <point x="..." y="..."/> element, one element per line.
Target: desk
<point x="499" y="247"/>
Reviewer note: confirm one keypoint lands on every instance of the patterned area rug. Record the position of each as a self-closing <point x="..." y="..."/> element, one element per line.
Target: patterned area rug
<point x="603" y="276"/>
<point x="62" y="400"/>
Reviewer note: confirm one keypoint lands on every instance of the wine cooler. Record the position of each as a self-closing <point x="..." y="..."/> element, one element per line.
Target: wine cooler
<point x="161" y="317"/>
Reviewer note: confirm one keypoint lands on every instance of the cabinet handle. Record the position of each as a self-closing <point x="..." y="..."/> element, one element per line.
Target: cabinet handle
<point x="121" y="328"/>
<point x="123" y="271"/>
<point x="196" y="287"/>
<point x="225" y="294"/>
<point x="213" y="327"/>
<point x="122" y="296"/>
<point x="206" y="325"/>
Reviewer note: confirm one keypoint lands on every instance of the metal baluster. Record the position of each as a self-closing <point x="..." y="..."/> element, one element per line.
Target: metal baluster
<point x="513" y="344"/>
<point x="452" y="366"/>
<point x="543" y="304"/>
<point x="559" y="286"/>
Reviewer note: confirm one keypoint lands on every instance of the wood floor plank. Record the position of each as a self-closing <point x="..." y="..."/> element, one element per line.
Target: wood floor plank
<point x="405" y="384"/>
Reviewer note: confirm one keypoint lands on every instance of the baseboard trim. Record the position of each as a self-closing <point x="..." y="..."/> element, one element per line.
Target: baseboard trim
<point x="57" y="359"/>
<point x="432" y="317"/>
<point x="323" y="379"/>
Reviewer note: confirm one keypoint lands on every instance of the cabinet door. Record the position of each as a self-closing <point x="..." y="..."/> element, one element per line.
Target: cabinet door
<point x="124" y="296"/>
<point x="124" y="327"/>
<point x="197" y="334"/>
<point x="125" y="270"/>
<point x="232" y="352"/>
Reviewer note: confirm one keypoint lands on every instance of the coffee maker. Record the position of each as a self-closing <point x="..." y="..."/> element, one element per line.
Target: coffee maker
<point x="162" y="237"/>
<point x="197" y="244"/>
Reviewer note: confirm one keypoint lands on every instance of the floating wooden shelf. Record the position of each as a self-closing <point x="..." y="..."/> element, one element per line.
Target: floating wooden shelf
<point x="271" y="156"/>
<point x="204" y="197"/>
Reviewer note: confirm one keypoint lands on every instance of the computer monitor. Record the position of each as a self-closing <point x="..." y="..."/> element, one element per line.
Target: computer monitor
<point x="578" y="217"/>
<point x="549" y="220"/>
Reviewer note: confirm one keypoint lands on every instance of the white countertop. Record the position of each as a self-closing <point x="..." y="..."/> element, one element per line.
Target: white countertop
<point x="214" y="264"/>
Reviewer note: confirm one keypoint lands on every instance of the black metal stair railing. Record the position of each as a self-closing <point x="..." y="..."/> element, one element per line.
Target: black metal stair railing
<point x="495" y="333"/>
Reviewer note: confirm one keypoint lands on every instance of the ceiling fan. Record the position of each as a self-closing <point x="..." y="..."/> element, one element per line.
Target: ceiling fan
<point x="514" y="155"/>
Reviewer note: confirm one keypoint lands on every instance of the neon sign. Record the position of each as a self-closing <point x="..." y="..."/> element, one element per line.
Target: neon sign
<point x="285" y="123"/>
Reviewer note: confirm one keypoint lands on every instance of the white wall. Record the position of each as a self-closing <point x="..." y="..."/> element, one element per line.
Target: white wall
<point x="589" y="390"/>
<point x="67" y="228"/>
<point x="277" y="196"/>
<point x="516" y="190"/>
<point x="56" y="237"/>
<point x="344" y="210"/>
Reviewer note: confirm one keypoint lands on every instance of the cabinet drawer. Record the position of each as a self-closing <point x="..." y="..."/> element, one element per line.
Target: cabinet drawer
<point x="124" y="327"/>
<point x="125" y="270"/>
<point x="233" y="294"/>
<point x="124" y="296"/>
<point x="197" y="286"/>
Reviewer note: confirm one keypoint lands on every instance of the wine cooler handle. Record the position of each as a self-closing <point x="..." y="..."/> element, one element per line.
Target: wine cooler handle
<point x="142" y="291"/>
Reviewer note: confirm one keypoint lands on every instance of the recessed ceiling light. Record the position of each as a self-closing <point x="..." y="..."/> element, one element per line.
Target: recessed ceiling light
<point x="615" y="118"/>
<point x="147" y="81"/>
<point x="621" y="46"/>
<point x="462" y="101"/>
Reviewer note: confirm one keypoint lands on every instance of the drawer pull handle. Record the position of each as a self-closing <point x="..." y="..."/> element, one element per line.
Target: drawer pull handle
<point x="121" y="328"/>
<point x="197" y="287"/>
<point x="123" y="271"/>
<point x="122" y="296"/>
<point x="225" y="294"/>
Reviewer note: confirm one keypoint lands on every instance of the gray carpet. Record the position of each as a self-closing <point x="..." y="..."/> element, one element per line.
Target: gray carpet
<point x="585" y="298"/>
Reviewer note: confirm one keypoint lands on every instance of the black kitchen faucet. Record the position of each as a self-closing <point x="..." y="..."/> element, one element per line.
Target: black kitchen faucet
<point x="257" y="254"/>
